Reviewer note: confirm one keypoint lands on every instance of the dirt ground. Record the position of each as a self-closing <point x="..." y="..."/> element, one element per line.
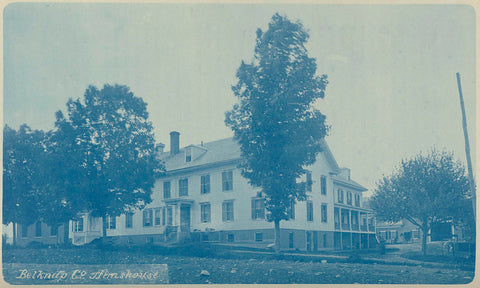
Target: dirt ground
<point x="205" y="270"/>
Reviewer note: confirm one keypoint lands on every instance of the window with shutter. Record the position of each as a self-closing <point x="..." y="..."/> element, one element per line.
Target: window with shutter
<point x="258" y="208"/>
<point x="147" y="218"/>
<point x="157" y="216"/>
<point x="323" y="181"/>
<point x="227" y="180"/>
<point x="309" y="211"/>
<point x="129" y="220"/>
<point x="309" y="181"/>
<point x="183" y="187"/>
<point x="205" y="212"/>
<point x="227" y="211"/>
<point x="166" y="190"/>
<point x="324" y="212"/>
<point x="205" y="184"/>
<point x="112" y="222"/>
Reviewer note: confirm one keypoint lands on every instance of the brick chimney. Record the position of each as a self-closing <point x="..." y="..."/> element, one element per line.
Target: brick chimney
<point x="159" y="147"/>
<point x="174" y="142"/>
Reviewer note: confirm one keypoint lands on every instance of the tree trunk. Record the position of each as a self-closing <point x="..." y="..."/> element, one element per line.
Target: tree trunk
<point x="14" y="241"/>
<point x="65" y="232"/>
<point x="277" y="236"/>
<point x="424" y="237"/>
<point x="104" y="230"/>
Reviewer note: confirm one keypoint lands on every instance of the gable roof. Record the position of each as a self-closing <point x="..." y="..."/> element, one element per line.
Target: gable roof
<point x="227" y="151"/>
<point x="348" y="182"/>
<point x="220" y="151"/>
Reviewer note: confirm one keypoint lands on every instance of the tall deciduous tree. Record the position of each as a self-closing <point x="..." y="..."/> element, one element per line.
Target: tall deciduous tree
<point x="422" y="190"/>
<point x="23" y="155"/>
<point x="108" y="150"/>
<point x="274" y="122"/>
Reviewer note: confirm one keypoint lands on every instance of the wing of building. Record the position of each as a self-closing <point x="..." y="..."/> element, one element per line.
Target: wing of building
<point x="203" y="196"/>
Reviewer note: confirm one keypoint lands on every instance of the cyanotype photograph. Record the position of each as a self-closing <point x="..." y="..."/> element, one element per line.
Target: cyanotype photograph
<point x="238" y="143"/>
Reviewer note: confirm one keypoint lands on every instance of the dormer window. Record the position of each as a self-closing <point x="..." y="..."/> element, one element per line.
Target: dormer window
<point x="188" y="155"/>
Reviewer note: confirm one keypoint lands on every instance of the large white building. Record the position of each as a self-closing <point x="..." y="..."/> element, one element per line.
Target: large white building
<point x="204" y="196"/>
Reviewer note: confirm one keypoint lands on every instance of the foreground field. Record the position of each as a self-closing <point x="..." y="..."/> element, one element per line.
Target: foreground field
<point x="204" y="270"/>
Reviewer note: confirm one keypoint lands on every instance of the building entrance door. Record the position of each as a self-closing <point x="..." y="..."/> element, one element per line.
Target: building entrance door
<point x="185" y="218"/>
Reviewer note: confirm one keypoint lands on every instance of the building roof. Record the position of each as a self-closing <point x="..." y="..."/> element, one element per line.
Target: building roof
<point x="349" y="183"/>
<point x="228" y="151"/>
<point x="219" y="151"/>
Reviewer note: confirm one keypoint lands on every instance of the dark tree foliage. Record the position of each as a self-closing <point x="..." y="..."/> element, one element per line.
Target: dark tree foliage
<point x="23" y="156"/>
<point x="425" y="189"/>
<point x="105" y="150"/>
<point x="274" y="122"/>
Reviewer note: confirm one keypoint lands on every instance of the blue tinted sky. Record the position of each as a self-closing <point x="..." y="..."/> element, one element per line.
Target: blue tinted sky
<point x="392" y="90"/>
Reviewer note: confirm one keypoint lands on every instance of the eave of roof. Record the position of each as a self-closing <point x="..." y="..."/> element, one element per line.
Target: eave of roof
<point x="202" y="166"/>
<point x="348" y="183"/>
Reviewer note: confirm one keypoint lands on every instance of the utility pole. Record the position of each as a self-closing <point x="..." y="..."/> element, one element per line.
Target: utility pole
<point x="467" y="146"/>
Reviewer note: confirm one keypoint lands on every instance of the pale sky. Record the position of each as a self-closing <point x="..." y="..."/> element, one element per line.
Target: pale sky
<point x="392" y="90"/>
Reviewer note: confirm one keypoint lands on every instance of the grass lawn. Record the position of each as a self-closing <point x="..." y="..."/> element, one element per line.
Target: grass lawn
<point x="184" y="269"/>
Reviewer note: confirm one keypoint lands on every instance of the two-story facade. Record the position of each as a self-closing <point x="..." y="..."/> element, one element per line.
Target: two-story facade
<point x="204" y="196"/>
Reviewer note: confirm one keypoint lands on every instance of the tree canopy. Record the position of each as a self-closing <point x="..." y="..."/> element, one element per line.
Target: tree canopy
<point x="109" y="150"/>
<point x="100" y="158"/>
<point x="23" y="156"/>
<point x="275" y="122"/>
<point x="423" y="189"/>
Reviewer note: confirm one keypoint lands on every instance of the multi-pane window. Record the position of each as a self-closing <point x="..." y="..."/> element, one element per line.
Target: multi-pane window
<point x="78" y="225"/>
<point x="129" y="220"/>
<point x="340" y="195"/>
<point x="324" y="212"/>
<point x="291" y="210"/>
<point x="112" y="222"/>
<point x="258" y="208"/>
<point x="205" y="184"/>
<point x="166" y="190"/>
<point x="183" y="187"/>
<point x="323" y="184"/>
<point x="309" y="181"/>
<point x="309" y="211"/>
<point x="169" y="216"/>
<point x="230" y="237"/>
<point x="227" y="180"/>
<point x="38" y="229"/>
<point x="357" y="200"/>
<point x="205" y="212"/>
<point x="349" y="198"/>
<point x="258" y="236"/>
<point x="158" y="213"/>
<point x="147" y="217"/>
<point x="227" y="211"/>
